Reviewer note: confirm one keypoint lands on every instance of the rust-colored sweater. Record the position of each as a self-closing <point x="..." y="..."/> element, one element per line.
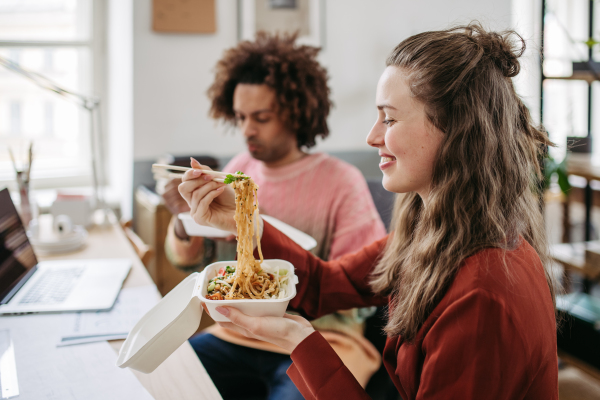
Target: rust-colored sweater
<point x="492" y="336"/>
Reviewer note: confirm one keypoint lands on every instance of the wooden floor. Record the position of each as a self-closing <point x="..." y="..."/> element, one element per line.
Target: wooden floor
<point x="574" y="384"/>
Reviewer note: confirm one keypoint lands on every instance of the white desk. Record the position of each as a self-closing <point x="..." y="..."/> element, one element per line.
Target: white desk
<point x="181" y="376"/>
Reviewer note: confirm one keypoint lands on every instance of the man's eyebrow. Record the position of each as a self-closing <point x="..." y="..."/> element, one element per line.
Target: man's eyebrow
<point x="382" y="106"/>
<point x="257" y="111"/>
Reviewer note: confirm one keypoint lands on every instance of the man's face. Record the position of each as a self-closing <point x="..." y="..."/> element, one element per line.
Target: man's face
<point x="267" y="137"/>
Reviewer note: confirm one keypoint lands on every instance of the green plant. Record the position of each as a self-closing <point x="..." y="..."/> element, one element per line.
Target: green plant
<point x="551" y="167"/>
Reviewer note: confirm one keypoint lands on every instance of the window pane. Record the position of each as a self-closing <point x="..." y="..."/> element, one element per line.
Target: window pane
<point x="565" y="111"/>
<point x="58" y="127"/>
<point x="595" y="119"/>
<point x="45" y="19"/>
<point x="566" y="30"/>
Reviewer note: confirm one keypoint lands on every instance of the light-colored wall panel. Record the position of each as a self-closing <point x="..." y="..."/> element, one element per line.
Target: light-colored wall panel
<point x="173" y="71"/>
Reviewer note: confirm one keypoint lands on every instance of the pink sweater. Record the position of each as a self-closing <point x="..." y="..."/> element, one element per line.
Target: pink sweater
<point x="320" y="195"/>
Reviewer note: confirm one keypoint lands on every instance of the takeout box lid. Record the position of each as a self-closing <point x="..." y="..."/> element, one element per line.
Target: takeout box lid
<point x="164" y="328"/>
<point x="175" y="318"/>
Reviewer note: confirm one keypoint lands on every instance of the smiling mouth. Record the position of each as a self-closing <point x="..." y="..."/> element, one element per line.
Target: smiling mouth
<point x="387" y="159"/>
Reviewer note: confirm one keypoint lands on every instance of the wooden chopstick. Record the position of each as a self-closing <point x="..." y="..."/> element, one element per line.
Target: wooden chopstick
<point x="218" y="174"/>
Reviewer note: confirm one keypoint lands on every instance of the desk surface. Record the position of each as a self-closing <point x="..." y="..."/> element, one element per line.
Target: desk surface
<point x="572" y="257"/>
<point x="181" y="376"/>
<point x="583" y="165"/>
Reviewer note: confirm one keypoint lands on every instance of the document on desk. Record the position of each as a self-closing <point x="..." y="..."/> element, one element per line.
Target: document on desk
<point x="130" y="306"/>
<point x="47" y="372"/>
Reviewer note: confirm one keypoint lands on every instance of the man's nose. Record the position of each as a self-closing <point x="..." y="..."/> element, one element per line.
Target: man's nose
<point x="248" y="128"/>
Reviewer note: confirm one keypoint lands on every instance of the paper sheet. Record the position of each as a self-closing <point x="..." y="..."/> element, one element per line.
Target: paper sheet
<point x="130" y="306"/>
<point x="47" y="372"/>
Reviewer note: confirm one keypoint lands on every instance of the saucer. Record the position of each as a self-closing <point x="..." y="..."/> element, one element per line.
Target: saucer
<point x="55" y="243"/>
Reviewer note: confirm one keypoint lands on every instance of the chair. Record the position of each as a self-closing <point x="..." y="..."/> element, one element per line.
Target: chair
<point x="384" y="201"/>
<point x="144" y="252"/>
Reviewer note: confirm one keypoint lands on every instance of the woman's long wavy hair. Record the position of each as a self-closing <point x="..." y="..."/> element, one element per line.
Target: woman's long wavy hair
<point x="485" y="181"/>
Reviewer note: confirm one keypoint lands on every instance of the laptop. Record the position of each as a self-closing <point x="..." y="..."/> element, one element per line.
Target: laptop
<point x="29" y="286"/>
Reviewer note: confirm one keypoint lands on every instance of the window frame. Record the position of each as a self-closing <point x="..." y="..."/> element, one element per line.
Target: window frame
<point x="97" y="50"/>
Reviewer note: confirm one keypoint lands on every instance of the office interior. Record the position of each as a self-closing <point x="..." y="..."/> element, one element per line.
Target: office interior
<point x="93" y="92"/>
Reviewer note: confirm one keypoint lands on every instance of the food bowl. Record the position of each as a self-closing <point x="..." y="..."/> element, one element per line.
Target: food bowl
<point x="251" y="307"/>
<point x="177" y="316"/>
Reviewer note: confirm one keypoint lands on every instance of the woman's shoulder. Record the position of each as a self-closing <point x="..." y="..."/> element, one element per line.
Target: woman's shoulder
<point x="511" y="277"/>
<point x="499" y="266"/>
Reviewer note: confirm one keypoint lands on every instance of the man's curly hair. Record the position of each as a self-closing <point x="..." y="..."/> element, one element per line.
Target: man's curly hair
<point x="299" y="81"/>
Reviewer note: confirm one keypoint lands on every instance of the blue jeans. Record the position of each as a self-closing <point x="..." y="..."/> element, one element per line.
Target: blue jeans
<point x="243" y="373"/>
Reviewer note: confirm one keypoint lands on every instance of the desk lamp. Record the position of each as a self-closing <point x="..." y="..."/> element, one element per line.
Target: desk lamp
<point x="89" y="103"/>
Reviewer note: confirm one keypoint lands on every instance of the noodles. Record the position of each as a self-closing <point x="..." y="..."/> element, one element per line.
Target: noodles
<point x="249" y="280"/>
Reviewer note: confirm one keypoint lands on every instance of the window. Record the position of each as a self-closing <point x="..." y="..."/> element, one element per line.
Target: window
<point x="59" y="40"/>
<point x="565" y="100"/>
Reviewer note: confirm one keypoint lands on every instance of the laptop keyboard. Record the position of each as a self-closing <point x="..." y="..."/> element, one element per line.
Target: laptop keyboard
<point x="53" y="286"/>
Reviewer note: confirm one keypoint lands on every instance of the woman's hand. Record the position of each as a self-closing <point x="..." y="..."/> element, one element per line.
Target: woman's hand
<point x="286" y="332"/>
<point x="211" y="203"/>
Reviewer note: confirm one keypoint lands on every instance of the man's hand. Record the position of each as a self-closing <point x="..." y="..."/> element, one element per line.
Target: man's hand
<point x="286" y="332"/>
<point x="211" y="203"/>
<point x="176" y="204"/>
<point x="173" y="200"/>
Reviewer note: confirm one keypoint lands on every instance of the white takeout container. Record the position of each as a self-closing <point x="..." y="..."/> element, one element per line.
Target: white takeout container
<point x="192" y="228"/>
<point x="177" y="316"/>
<point x="251" y="307"/>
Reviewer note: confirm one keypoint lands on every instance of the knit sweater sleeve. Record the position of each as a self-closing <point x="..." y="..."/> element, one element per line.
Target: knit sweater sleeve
<point x="188" y="255"/>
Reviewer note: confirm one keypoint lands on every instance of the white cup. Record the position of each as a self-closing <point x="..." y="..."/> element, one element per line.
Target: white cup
<point x="62" y="224"/>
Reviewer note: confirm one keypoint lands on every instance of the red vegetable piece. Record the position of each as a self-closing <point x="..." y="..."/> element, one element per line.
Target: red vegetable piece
<point x="216" y="296"/>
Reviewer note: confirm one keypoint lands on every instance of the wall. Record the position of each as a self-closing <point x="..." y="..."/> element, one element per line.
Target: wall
<point x="171" y="75"/>
<point x="119" y="104"/>
<point x="172" y="71"/>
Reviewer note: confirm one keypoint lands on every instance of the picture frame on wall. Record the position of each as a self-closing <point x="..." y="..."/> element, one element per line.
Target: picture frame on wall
<point x="289" y="16"/>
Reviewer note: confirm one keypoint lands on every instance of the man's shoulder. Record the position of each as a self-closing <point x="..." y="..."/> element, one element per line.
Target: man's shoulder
<point x="337" y="168"/>
<point x="239" y="161"/>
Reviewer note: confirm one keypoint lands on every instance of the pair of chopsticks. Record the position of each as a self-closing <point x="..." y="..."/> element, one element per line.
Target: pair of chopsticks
<point x="218" y="176"/>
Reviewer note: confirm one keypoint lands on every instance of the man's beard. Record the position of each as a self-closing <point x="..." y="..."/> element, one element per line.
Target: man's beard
<point x="267" y="153"/>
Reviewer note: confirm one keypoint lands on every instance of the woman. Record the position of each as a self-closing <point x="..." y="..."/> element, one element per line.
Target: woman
<point x="471" y="299"/>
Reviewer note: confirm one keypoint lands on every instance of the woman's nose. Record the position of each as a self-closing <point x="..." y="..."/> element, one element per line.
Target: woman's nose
<point x="376" y="137"/>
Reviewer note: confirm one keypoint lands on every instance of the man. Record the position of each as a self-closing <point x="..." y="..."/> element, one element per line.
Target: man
<point x="276" y="93"/>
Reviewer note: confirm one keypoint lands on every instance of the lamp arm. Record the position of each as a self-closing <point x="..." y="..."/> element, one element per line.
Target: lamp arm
<point x="90" y="103"/>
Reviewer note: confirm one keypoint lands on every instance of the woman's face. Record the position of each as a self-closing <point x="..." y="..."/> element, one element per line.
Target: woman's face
<point x="408" y="143"/>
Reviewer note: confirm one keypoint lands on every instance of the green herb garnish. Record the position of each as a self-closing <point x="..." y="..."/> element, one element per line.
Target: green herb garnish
<point x="229" y="178"/>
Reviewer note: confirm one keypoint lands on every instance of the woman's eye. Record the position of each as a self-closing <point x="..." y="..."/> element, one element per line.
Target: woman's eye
<point x="389" y="122"/>
<point x="262" y="120"/>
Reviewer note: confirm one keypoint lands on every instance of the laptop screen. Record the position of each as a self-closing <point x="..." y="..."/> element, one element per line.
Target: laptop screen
<point x="16" y="254"/>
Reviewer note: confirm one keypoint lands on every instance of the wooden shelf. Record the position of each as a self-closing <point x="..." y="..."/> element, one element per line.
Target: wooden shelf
<point x="581" y="72"/>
